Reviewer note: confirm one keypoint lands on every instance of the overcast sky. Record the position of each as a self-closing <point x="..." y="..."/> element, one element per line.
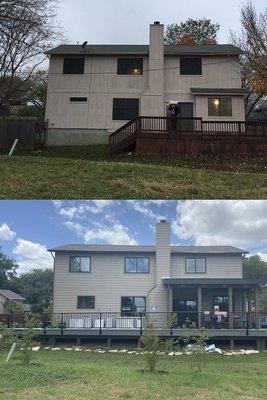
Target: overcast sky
<point x="120" y="21"/>
<point x="29" y="228"/>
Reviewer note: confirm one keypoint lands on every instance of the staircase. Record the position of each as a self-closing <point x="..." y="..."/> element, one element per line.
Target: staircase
<point x="124" y="137"/>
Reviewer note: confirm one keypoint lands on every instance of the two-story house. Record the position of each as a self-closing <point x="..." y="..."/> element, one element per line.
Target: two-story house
<point x="195" y="282"/>
<point x="95" y="89"/>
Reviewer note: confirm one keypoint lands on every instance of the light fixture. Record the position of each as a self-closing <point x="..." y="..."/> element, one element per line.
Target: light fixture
<point x="216" y="102"/>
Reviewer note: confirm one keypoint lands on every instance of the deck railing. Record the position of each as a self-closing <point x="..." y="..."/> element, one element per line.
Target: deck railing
<point x="101" y="321"/>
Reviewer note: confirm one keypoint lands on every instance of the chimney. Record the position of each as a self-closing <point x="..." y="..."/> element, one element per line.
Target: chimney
<point x="163" y="267"/>
<point x="152" y="99"/>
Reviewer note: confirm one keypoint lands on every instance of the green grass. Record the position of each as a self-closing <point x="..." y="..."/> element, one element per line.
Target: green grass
<point x="89" y="172"/>
<point x="79" y="376"/>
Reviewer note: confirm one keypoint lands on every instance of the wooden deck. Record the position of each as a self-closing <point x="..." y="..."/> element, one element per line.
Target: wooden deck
<point x="189" y="136"/>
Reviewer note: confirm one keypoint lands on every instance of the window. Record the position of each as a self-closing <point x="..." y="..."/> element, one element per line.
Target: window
<point x="132" y="305"/>
<point x="195" y="266"/>
<point x="125" y="109"/>
<point x="86" y="302"/>
<point x="130" y="66"/>
<point x="186" y="305"/>
<point x="80" y="264"/>
<point x="137" y="265"/>
<point x="222" y="302"/>
<point x="73" y="66"/>
<point x="220" y="106"/>
<point x="78" y="99"/>
<point x="190" y="66"/>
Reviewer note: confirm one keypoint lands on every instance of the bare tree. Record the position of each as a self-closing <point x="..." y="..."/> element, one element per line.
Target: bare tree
<point x="253" y="42"/>
<point x="27" y="28"/>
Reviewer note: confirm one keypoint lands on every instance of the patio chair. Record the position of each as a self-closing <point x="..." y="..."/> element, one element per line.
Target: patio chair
<point x="76" y="322"/>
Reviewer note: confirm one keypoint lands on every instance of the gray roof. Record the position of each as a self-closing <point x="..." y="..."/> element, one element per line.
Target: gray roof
<point x="122" y="49"/>
<point x="11" y="295"/>
<point x="237" y="91"/>
<point x="214" y="281"/>
<point x="147" y="249"/>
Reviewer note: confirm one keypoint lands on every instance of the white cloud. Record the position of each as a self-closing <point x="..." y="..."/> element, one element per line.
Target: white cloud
<point x="143" y="207"/>
<point x="78" y="210"/>
<point x="237" y="223"/>
<point x="114" y="234"/>
<point x="31" y="255"/>
<point x="6" y="233"/>
<point x="263" y="256"/>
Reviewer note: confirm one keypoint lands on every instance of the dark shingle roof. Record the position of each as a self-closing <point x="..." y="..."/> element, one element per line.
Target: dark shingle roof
<point x="214" y="281"/>
<point x="122" y="49"/>
<point x="219" y="90"/>
<point x="11" y="295"/>
<point x="148" y="249"/>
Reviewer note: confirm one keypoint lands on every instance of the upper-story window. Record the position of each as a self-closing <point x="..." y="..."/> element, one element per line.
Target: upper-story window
<point x="73" y="66"/>
<point x="191" y="66"/>
<point x="137" y="265"/>
<point x="80" y="264"/>
<point x="195" y="265"/>
<point x="220" y="106"/>
<point x="125" y="109"/>
<point x="130" y="66"/>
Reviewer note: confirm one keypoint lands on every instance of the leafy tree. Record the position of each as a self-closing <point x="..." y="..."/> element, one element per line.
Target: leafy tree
<point x="253" y="42"/>
<point x="37" y="287"/>
<point x="192" y="31"/>
<point x="255" y="267"/>
<point x="27" y="338"/>
<point x="36" y="96"/>
<point x="8" y="270"/>
<point x="27" y="28"/>
<point x="152" y="344"/>
<point x="13" y="307"/>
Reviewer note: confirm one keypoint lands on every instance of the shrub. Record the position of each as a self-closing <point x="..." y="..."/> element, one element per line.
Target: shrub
<point x="152" y="345"/>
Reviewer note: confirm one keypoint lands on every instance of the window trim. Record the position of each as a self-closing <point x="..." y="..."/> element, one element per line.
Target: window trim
<point x="195" y="258"/>
<point x="73" y="58"/>
<point x="81" y="308"/>
<point x="131" y="58"/>
<point x="192" y="74"/>
<point x="80" y="272"/>
<point x="220" y="97"/>
<point x="134" y="296"/>
<point x="136" y="272"/>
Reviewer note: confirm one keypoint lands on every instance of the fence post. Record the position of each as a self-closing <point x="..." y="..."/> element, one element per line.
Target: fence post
<point x="100" y="324"/>
<point x="247" y="324"/>
<point x="62" y="323"/>
<point x="44" y="324"/>
<point x="141" y="324"/>
<point x="171" y="324"/>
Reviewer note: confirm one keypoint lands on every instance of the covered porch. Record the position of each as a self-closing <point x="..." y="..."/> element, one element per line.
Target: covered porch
<point x="215" y="303"/>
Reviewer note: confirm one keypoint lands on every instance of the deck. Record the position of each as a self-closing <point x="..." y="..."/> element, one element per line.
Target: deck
<point x="189" y="136"/>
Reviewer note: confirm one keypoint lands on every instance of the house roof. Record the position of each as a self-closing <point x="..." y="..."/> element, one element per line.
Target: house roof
<point x="232" y="91"/>
<point x="11" y="295"/>
<point x="147" y="249"/>
<point x="122" y="49"/>
<point x="214" y="281"/>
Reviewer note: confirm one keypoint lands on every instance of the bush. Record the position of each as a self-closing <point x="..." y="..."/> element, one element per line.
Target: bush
<point x="153" y="346"/>
<point x="27" y="338"/>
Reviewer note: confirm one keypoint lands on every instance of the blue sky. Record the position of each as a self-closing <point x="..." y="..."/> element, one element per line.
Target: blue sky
<point x="120" y="21"/>
<point x="28" y="228"/>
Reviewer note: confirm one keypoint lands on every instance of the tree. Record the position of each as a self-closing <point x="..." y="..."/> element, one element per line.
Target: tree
<point x="8" y="270"/>
<point x="199" y="31"/>
<point x="36" y="96"/>
<point x="27" y="28"/>
<point x="255" y="267"/>
<point x="253" y="42"/>
<point x="37" y="288"/>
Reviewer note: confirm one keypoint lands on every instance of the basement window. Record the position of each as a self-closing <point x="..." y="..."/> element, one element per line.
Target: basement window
<point x="78" y="99"/>
<point x="135" y="265"/>
<point x="86" y="302"/>
<point x="220" y="106"/>
<point x="130" y="66"/>
<point x="195" y="265"/>
<point x="125" y="109"/>
<point x="191" y="66"/>
<point x="80" y="264"/>
<point x="73" y="66"/>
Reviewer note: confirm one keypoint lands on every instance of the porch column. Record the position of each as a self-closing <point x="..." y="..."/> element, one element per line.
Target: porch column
<point x="256" y="303"/>
<point x="169" y="318"/>
<point x="231" y="308"/>
<point x="199" y="306"/>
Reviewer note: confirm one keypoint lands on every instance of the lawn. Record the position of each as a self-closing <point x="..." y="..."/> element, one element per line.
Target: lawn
<point x="79" y="376"/>
<point x="89" y="172"/>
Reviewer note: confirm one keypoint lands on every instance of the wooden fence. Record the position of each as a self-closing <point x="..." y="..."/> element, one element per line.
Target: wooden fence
<point x="24" y="129"/>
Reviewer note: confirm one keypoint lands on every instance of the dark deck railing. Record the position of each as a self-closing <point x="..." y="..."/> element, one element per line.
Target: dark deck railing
<point x="184" y="126"/>
<point x="101" y="321"/>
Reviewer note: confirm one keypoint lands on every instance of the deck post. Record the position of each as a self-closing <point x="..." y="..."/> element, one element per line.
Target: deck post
<point x="199" y="306"/>
<point x="52" y="341"/>
<point x="79" y="341"/>
<point x="109" y="342"/>
<point x="232" y="344"/>
<point x="257" y="300"/>
<point x="231" y="308"/>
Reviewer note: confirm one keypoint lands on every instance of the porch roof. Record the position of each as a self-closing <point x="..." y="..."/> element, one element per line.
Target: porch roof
<point x="216" y="91"/>
<point x="239" y="282"/>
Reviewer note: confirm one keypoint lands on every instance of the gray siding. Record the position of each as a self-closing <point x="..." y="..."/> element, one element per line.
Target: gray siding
<point x="217" y="266"/>
<point x="107" y="282"/>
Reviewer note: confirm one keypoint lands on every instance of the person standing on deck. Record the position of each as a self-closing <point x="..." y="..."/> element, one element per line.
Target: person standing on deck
<point x="175" y="111"/>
